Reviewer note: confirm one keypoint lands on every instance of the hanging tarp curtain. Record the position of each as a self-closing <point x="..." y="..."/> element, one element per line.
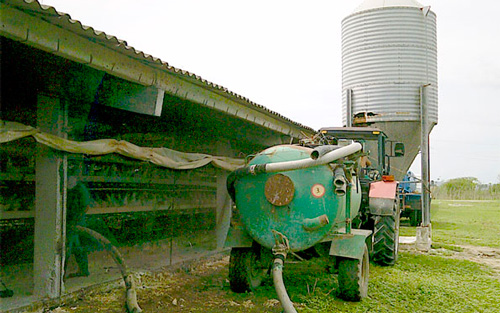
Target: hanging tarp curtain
<point x="10" y="131"/>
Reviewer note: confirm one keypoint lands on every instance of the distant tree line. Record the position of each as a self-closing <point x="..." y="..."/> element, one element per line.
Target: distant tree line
<point x="466" y="188"/>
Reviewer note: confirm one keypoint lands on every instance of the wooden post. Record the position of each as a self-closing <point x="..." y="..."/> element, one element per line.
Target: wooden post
<point x="50" y="211"/>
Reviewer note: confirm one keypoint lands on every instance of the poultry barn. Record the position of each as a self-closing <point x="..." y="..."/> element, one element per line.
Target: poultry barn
<point x="153" y="144"/>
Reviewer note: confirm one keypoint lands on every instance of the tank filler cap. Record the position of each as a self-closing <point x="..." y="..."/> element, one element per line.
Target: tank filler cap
<point x="279" y="190"/>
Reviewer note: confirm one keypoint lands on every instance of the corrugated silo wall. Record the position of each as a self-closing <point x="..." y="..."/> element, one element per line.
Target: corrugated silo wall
<point x="388" y="54"/>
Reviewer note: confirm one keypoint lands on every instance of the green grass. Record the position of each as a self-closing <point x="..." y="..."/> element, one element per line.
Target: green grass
<point x="458" y="222"/>
<point x="417" y="283"/>
<point x="474" y="223"/>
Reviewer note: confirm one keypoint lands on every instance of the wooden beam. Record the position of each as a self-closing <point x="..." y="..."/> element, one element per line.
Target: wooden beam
<point x="122" y="94"/>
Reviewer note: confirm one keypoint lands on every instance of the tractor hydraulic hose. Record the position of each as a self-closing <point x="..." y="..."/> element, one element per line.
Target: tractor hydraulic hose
<point x="280" y="286"/>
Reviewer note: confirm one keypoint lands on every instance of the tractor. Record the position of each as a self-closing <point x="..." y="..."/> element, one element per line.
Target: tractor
<point x="410" y="199"/>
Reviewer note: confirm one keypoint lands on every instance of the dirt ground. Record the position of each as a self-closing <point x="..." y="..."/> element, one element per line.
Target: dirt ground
<point x="483" y="255"/>
<point x="204" y="287"/>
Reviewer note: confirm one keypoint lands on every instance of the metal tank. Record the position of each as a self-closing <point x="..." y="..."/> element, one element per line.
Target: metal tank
<point x="307" y="201"/>
<point x="304" y="204"/>
<point x="389" y="59"/>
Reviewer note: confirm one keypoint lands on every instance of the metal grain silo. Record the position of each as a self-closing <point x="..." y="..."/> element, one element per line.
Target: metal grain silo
<point x="389" y="52"/>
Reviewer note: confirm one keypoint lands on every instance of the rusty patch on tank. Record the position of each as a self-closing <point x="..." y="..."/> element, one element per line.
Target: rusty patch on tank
<point x="279" y="190"/>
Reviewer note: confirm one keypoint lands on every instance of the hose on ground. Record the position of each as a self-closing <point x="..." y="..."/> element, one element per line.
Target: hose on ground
<point x="280" y="251"/>
<point x="131" y="297"/>
<point x="279" y="285"/>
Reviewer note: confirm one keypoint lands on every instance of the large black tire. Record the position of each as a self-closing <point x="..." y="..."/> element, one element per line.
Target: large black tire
<point x="246" y="269"/>
<point x="386" y="239"/>
<point x="353" y="277"/>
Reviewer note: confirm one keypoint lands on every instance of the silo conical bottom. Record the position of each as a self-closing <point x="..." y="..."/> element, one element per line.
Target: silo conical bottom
<point x="407" y="133"/>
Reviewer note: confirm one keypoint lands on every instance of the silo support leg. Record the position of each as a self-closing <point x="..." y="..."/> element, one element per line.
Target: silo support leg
<point x="423" y="240"/>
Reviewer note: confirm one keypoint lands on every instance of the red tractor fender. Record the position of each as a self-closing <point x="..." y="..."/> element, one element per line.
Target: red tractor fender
<point x="383" y="197"/>
<point x="383" y="189"/>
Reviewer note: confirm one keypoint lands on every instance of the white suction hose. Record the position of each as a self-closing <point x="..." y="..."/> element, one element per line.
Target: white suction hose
<point x="279" y="285"/>
<point x="305" y="163"/>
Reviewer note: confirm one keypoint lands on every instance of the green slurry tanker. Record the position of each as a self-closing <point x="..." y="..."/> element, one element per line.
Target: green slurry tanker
<point x="329" y="197"/>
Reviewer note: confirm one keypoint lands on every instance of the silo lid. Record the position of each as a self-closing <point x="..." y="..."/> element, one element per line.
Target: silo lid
<point x="377" y="4"/>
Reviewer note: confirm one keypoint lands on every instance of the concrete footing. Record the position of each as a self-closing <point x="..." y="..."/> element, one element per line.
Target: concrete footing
<point x="421" y="242"/>
<point x="423" y="238"/>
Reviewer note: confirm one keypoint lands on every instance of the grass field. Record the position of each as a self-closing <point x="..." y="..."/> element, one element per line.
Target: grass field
<point x="463" y="222"/>
<point x="474" y="223"/>
<point x="417" y="283"/>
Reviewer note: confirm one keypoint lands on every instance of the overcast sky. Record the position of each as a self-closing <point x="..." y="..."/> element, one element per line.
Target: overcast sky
<point x="285" y="55"/>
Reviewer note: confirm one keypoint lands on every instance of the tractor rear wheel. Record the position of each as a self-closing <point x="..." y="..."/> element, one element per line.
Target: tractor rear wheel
<point x="386" y="238"/>
<point x="246" y="270"/>
<point x="353" y="277"/>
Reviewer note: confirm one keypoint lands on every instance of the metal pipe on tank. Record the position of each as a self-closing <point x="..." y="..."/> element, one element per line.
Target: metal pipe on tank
<point x="340" y="181"/>
<point x="312" y="224"/>
<point x="320" y="151"/>
<point x="349" y="116"/>
<point x="290" y="165"/>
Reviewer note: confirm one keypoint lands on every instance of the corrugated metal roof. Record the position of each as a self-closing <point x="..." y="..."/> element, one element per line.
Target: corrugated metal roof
<point x="64" y="20"/>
